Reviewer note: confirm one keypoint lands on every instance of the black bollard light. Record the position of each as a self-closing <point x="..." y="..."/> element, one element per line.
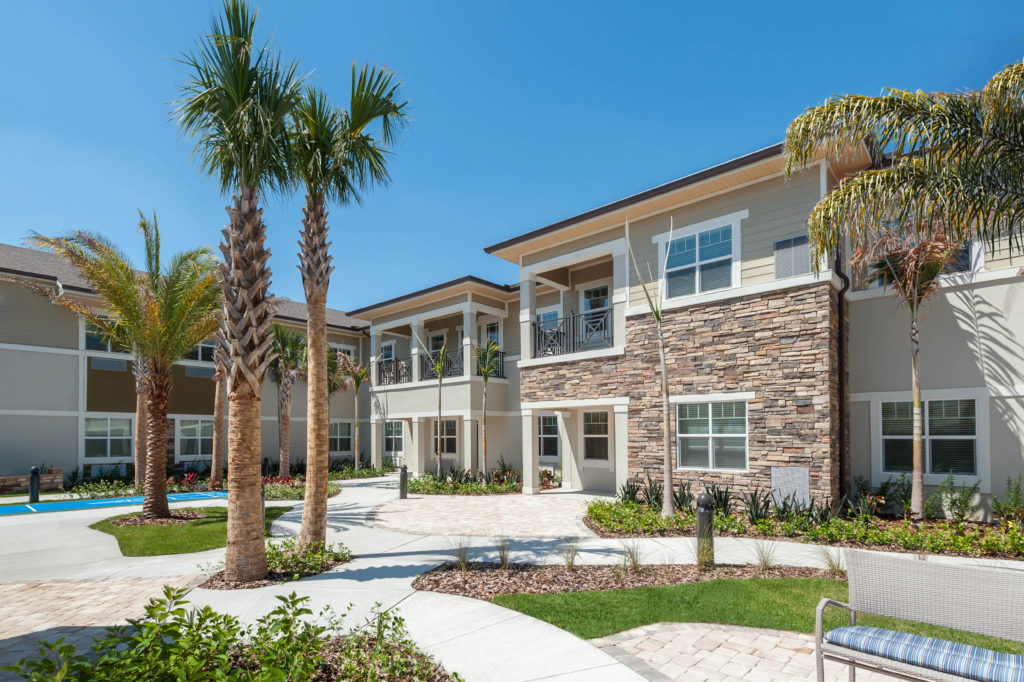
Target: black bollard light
<point x="705" y="531"/>
<point x="33" y="485"/>
<point x="403" y="483"/>
<point x="263" y="504"/>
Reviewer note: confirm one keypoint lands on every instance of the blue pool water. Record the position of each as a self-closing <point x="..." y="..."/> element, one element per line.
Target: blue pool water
<point x="72" y="505"/>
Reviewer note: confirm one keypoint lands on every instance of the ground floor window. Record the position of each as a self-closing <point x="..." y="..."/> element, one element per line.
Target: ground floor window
<point x="392" y="436"/>
<point x="107" y="437"/>
<point x="712" y="436"/>
<point x="547" y="432"/>
<point x="340" y="437"/>
<point x="950" y="437"/>
<point x="195" y="438"/>
<point x="595" y="436"/>
<point x="449" y="439"/>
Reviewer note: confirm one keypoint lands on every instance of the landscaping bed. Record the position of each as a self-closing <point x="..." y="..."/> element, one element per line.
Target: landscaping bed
<point x="287" y="561"/>
<point x="207" y="530"/>
<point x="484" y="580"/>
<point x="344" y="473"/>
<point x="176" y="642"/>
<point x="428" y="485"/>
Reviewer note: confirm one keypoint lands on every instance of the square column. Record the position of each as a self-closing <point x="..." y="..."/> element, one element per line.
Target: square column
<point x="527" y="308"/>
<point x="417" y="334"/>
<point x="620" y="295"/>
<point x="620" y="434"/>
<point x="376" y="442"/>
<point x="567" y="451"/>
<point x="374" y="353"/>
<point x="531" y="454"/>
<point x="468" y="445"/>
<point x="468" y="366"/>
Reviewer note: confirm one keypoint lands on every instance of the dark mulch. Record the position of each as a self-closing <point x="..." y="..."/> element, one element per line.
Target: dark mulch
<point x="335" y="652"/>
<point x="177" y="517"/>
<point x="482" y="580"/>
<point x="217" y="581"/>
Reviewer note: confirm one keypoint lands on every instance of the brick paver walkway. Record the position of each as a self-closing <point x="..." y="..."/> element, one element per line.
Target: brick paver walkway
<point x="697" y="652"/>
<point x="548" y="515"/>
<point x="75" y="609"/>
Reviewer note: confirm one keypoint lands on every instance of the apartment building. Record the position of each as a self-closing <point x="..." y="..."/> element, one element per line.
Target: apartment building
<point x="779" y="378"/>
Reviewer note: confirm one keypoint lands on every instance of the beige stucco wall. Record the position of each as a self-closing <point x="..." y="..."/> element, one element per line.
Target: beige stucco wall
<point x="575" y="245"/>
<point x="28" y="318"/>
<point x="29" y="441"/>
<point x="38" y="381"/>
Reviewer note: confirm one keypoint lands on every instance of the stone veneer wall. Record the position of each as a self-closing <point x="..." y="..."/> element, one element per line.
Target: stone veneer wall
<point x="780" y="345"/>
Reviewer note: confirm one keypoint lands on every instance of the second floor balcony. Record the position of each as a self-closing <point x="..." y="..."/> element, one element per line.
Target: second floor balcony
<point x="574" y="333"/>
<point x="451" y="365"/>
<point x="394" y="371"/>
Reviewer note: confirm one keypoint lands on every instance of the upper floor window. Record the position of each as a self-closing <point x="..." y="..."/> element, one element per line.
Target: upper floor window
<point x="344" y="350"/>
<point x="711" y="435"/>
<point x="595" y="298"/>
<point x="699" y="262"/>
<point x="436" y="343"/>
<point x="203" y="352"/>
<point x="95" y="340"/>
<point x="792" y="256"/>
<point x="961" y="261"/>
<point x="950" y="437"/>
<point x="387" y="351"/>
<point x="492" y="332"/>
<point x="548" y="319"/>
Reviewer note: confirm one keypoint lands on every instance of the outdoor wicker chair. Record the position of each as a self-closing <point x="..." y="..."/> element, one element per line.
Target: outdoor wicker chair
<point x="982" y="600"/>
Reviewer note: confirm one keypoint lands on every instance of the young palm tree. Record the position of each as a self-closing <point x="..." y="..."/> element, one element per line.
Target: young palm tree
<point x="335" y="157"/>
<point x="955" y="162"/>
<point x="912" y="271"/>
<point x="488" y="363"/>
<point x="353" y="376"/>
<point x="160" y="313"/>
<point x="236" y="104"/>
<point x="290" y="354"/>
<point x="220" y="378"/>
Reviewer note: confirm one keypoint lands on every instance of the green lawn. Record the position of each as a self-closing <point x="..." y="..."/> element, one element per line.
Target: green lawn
<point x="779" y="603"/>
<point x="210" y="532"/>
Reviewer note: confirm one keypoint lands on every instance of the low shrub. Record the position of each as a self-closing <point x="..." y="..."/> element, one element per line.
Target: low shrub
<point x="1010" y="507"/>
<point x="286" y="557"/>
<point x="652" y="492"/>
<point x="633" y="518"/>
<point x="288" y="488"/>
<point x="346" y="471"/>
<point x="428" y="484"/>
<point x="172" y="643"/>
<point x="630" y="490"/>
<point x="683" y="497"/>
<point x="721" y="498"/>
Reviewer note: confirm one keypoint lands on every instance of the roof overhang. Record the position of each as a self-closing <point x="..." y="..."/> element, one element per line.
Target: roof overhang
<point x="463" y="285"/>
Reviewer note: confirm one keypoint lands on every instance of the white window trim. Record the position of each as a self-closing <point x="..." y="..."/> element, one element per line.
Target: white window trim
<point x="557" y="309"/>
<point x="433" y="437"/>
<point x="744" y="398"/>
<point x="810" y="263"/>
<point x="106" y="460"/>
<point x="178" y="456"/>
<point x="387" y="344"/>
<point x="661" y="241"/>
<point x="430" y="335"/>
<point x="609" y="464"/>
<point x="482" y="329"/>
<point x="547" y="459"/>
<point x="343" y="347"/>
<point x="384" y="437"/>
<point x="351" y="436"/>
<point x="593" y="284"/>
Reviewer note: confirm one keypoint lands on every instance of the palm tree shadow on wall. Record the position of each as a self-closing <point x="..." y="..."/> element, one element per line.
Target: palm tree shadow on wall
<point x="995" y="348"/>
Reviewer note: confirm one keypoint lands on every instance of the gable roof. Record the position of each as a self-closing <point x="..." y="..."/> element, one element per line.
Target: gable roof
<point x="451" y="284"/>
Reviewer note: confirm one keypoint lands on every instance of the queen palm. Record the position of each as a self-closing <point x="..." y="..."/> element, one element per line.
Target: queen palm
<point x="290" y="353"/>
<point x="335" y="157"/>
<point x="160" y="314"/>
<point x="488" y="364"/>
<point x="236" y="104"/>
<point x="353" y="376"/>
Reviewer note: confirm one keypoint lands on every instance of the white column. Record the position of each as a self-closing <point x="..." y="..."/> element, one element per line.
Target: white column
<point x="467" y="341"/>
<point x="620" y="294"/>
<point x="417" y="334"/>
<point x="527" y="308"/>
<point x="620" y="434"/>
<point x="468" y="445"/>
<point x="567" y="452"/>
<point x="374" y="352"/>
<point x="413" y="455"/>
<point x="376" y="442"/>
<point x="531" y="454"/>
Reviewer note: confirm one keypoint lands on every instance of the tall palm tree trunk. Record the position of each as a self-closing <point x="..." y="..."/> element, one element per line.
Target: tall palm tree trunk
<point x="219" y="391"/>
<point x="667" y="498"/>
<point x="483" y="425"/>
<point x="245" y="279"/>
<point x="917" y="474"/>
<point x="315" y="264"/>
<point x="140" y="427"/>
<point x="438" y="426"/>
<point x="155" y="503"/>
<point x="284" y="424"/>
<point x="355" y="428"/>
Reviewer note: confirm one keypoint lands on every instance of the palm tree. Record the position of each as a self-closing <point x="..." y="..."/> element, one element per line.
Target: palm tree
<point x="354" y="375"/>
<point x="912" y="271"/>
<point x="290" y="353"/>
<point x="952" y="161"/>
<point x="335" y="157"/>
<point x="140" y="423"/>
<point x="488" y="364"/>
<point x="236" y="104"/>
<point x="160" y="314"/>
<point x="220" y="378"/>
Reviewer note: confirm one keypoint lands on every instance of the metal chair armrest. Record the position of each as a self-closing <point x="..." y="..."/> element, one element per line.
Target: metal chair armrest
<point x="819" y="617"/>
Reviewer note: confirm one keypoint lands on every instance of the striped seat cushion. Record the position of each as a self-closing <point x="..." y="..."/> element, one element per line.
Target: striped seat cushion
<point x="970" y="662"/>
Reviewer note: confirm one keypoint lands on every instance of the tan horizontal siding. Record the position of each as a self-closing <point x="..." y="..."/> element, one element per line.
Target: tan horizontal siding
<point x="574" y="245"/>
<point x="28" y="318"/>
<point x="510" y="328"/>
<point x="426" y="308"/>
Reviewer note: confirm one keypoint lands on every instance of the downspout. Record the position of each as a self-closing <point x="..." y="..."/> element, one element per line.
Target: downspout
<point x="844" y="453"/>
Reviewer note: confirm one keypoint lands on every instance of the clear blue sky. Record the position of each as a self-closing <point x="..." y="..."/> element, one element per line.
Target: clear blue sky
<point x="524" y="112"/>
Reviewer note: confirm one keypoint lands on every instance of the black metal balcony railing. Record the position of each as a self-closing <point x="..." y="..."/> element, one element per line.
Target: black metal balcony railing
<point x="573" y="334"/>
<point x="394" y="372"/>
<point x="452" y="366"/>
<point x="500" y="374"/>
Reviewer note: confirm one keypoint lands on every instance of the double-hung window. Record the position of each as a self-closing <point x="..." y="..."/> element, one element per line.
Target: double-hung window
<point x="699" y="263"/>
<point x="548" y="319"/>
<point x="449" y="439"/>
<point x="595" y="436"/>
<point x="950" y="437"/>
<point x="195" y="438"/>
<point x="436" y="344"/>
<point x="387" y="351"/>
<point x="108" y="437"/>
<point x="792" y="256"/>
<point x="712" y="436"/>
<point x="96" y="340"/>
<point x="547" y="433"/>
<point x="393" y="436"/>
<point x="340" y="437"/>
<point x="492" y="332"/>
